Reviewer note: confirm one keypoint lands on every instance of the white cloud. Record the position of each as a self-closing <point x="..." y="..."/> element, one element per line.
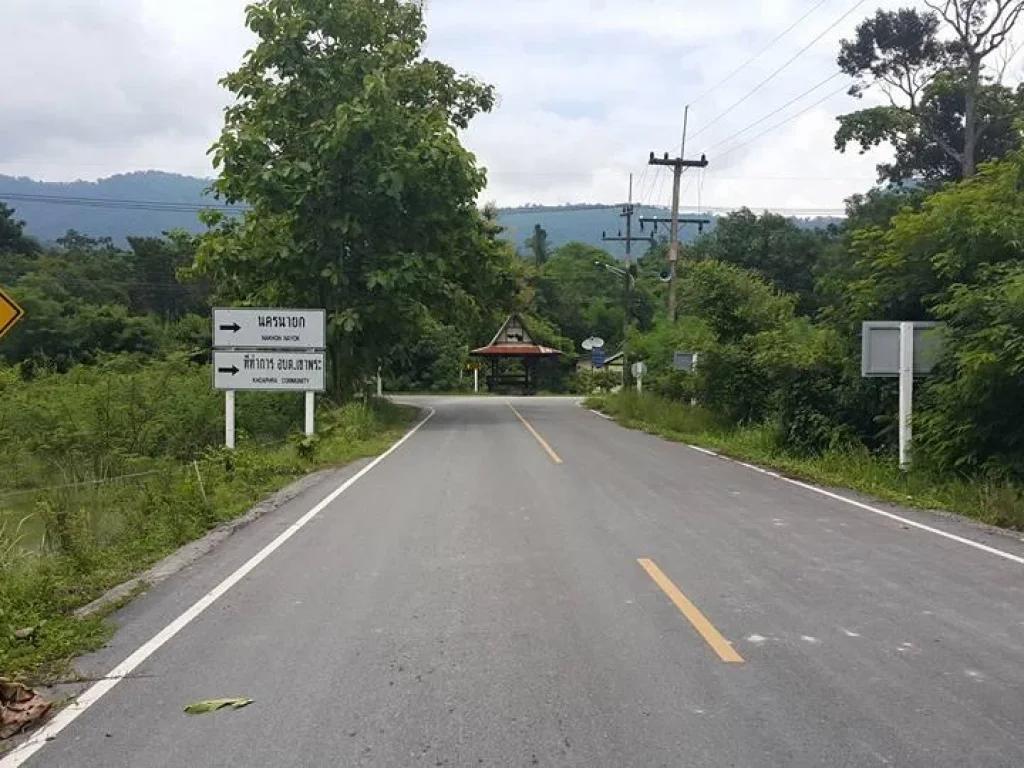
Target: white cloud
<point x="588" y="88"/>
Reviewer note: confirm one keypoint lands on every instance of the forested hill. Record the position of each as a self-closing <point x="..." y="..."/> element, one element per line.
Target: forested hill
<point x="152" y="202"/>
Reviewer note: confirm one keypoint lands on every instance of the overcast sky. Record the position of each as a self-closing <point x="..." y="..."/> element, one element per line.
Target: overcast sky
<point x="587" y="89"/>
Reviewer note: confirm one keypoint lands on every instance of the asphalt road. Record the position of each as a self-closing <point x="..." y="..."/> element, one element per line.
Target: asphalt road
<point x="557" y="590"/>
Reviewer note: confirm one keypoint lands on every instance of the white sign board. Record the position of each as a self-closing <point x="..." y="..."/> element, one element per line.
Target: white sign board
<point x="880" y="348"/>
<point x="279" y="371"/>
<point x="639" y="369"/>
<point x="270" y="328"/>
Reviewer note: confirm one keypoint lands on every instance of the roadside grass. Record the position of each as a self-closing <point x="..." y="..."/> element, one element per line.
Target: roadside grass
<point x="111" y="489"/>
<point x="991" y="501"/>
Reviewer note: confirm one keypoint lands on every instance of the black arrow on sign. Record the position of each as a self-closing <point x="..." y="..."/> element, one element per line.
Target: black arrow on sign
<point x="234" y="327"/>
<point x="232" y="370"/>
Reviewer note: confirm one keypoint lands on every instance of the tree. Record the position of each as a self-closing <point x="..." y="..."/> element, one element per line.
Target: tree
<point x="12" y="234"/>
<point x="583" y="299"/>
<point x="537" y="243"/>
<point x="907" y="268"/>
<point x="343" y="139"/>
<point x="771" y="245"/>
<point x="981" y="27"/>
<point x="930" y="95"/>
<point x="155" y="263"/>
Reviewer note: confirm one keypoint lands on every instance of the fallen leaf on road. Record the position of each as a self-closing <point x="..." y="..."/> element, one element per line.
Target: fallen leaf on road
<point x="20" y="707"/>
<point x="212" y="705"/>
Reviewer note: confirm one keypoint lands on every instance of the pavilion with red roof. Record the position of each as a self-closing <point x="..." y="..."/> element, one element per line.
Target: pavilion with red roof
<point x="514" y="342"/>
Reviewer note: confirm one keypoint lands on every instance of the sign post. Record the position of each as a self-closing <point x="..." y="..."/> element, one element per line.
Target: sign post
<point x="229" y="419"/>
<point x="476" y="380"/>
<point x="639" y="369"/>
<point x="900" y="350"/>
<point x="268" y="349"/>
<point x="906" y="391"/>
<point x="310" y="413"/>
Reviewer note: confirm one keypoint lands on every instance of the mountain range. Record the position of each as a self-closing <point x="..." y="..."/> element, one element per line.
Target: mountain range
<point x="148" y="203"/>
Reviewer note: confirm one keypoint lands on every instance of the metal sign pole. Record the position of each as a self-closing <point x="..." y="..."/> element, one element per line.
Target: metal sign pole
<point x="229" y="419"/>
<point x="310" y="413"/>
<point x="906" y="391"/>
<point x="380" y="384"/>
<point x="476" y="380"/>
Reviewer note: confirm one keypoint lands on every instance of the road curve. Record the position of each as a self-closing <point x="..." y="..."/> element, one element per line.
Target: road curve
<point x="524" y="583"/>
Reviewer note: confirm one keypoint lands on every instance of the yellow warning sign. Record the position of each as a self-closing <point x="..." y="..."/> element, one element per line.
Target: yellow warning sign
<point x="10" y="313"/>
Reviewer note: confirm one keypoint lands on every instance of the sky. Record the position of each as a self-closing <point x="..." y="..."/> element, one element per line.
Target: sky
<point x="587" y="89"/>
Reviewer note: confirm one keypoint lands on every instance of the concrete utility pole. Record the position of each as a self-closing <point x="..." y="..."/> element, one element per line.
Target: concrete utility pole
<point x="627" y="213"/>
<point x="677" y="164"/>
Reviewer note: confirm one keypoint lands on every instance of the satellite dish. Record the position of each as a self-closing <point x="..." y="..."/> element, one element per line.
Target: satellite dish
<point x="593" y="342"/>
<point x="598" y="342"/>
<point x="665" y="276"/>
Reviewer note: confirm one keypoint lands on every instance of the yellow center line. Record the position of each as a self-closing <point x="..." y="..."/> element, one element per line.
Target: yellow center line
<point x="707" y="630"/>
<point x="543" y="443"/>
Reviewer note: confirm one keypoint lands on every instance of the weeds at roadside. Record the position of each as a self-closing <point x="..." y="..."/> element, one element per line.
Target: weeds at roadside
<point x="64" y="543"/>
<point x="987" y="500"/>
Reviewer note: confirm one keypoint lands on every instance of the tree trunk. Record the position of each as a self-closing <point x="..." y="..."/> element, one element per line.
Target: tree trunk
<point x="969" y="163"/>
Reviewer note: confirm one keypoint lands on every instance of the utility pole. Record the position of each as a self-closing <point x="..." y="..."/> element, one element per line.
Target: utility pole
<point x="627" y="213"/>
<point x="677" y="164"/>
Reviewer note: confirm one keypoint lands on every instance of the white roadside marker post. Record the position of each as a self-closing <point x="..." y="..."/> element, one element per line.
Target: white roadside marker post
<point x="229" y="419"/>
<point x="906" y="391"/>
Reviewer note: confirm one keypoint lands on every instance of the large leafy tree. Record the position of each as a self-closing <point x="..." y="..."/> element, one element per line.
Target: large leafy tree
<point x="343" y="139"/>
<point x="943" y="117"/>
<point x="771" y="245"/>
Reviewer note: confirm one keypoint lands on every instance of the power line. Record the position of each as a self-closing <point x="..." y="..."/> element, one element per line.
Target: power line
<point x="781" y="123"/>
<point x="757" y="55"/>
<point x="776" y="111"/>
<point x="785" y="64"/>
<point x="119" y="204"/>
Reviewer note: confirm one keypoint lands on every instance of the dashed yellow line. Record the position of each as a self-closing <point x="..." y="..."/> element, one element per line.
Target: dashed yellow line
<point x="543" y="443"/>
<point x="706" y="629"/>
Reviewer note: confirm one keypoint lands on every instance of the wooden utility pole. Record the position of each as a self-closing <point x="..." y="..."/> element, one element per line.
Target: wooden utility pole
<point x="677" y="164"/>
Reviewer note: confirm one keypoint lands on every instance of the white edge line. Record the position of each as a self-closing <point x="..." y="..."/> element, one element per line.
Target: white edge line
<point x="702" y="450"/>
<point x="94" y="693"/>
<point x="602" y="415"/>
<point x="861" y="505"/>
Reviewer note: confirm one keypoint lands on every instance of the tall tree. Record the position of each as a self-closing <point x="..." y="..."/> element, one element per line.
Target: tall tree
<point x="939" y="122"/>
<point x="538" y="245"/>
<point x="12" y="234"/>
<point x="981" y="28"/>
<point x="343" y="139"/>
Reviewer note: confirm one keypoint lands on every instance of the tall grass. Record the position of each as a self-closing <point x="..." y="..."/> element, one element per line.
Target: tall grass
<point x="113" y="467"/>
<point x="987" y="499"/>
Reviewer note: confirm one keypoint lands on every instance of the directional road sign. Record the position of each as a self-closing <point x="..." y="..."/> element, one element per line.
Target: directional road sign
<point x="268" y="370"/>
<point x="10" y="313"/>
<point x="276" y="328"/>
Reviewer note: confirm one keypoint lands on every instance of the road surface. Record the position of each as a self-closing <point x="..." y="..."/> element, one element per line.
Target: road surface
<point x="525" y="583"/>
